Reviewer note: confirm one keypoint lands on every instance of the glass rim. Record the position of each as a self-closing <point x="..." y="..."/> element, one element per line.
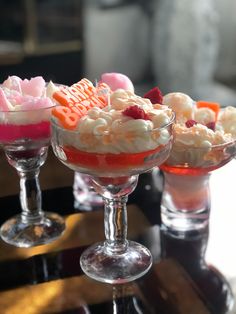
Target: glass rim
<point x="26" y="111"/>
<point x="188" y="147"/>
<point x="55" y="122"/>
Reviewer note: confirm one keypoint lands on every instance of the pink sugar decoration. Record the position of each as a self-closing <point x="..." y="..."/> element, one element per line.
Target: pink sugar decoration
<point x="13" y="82"/>
<point x="4" y="103"/>
<point x="34" y="87"/>
<point x="31" y="102"/>
<point x="16" y="98"/>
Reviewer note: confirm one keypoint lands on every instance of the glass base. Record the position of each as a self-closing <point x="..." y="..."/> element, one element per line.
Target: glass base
<point x="20" y="233"/>
<point x="184" y="221"/>
<point x="100" y="264"/>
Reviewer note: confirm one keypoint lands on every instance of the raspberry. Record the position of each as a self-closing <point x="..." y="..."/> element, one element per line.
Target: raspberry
<point x="154" y="95"/>
<point x="211" y="125"/>
<point x="190" y="123"/>
<point x="136" y="113"/>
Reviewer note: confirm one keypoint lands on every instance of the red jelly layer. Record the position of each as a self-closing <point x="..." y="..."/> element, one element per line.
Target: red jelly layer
<point x="12" y="132"/>
<point x="190" y="171"/>
<point x="113" y="161"/>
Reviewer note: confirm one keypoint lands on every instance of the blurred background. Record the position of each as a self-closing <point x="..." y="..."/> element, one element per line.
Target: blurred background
<point x="179" y="45"/>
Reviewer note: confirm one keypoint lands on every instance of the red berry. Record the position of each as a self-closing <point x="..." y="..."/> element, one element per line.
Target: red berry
<point x="136" y="112"/>
<point x="154" y="95"/>
<point x="211" y="125"/>
<point x="190" y="123"/>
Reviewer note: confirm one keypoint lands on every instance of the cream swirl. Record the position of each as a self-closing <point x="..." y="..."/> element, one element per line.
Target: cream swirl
<point x="108" y="130"/>
<point x="198" y="130"/>
<point x="227" y="120"/>
<point x="199" y="136"/>
<point x="181" y="104"/>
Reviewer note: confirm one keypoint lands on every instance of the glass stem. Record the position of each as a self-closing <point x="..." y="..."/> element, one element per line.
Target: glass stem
<point x="115" y="221"/>
<point x="30" y="194"/>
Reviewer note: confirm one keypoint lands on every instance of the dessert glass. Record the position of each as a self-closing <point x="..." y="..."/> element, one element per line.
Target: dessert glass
<point x="114" y="177"/>
<point x="186" y="198"/>
<point x="25" y="145"/>
<point x="85" y="198"/>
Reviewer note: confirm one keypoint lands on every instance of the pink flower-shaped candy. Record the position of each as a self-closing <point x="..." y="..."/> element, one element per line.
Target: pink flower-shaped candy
<point x="5" y="105"/>
<point x="33" y="103"/>
<point x="34" y="87"/>
<point x="13" y="82"/>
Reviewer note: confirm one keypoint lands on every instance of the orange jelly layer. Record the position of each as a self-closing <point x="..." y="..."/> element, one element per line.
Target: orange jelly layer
<point x="113" y="161"/>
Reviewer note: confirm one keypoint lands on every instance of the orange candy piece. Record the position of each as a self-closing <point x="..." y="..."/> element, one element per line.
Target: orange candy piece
<point x="214" y="106"/>
<point x="76" y="100"/>
<point x="61" y="98"/>
<point x="67" y="118"/>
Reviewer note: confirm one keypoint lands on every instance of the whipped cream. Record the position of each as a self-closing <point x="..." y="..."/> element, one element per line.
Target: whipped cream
<point x="181" y="104"/>
<point x="198" y="131"/>
<point x="227" y="120"/>
<point x="203" y="115"/>
<point x="108" y="130"/>
<point x="200" y="135"/>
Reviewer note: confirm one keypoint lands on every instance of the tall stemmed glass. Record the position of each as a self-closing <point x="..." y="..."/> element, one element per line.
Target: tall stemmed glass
<point x="25" y="137"/>
<point x="114" y="176"/>
<point x="186" y="198"/>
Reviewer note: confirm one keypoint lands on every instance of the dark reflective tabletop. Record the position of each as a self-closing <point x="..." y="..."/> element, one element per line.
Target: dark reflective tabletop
<point x="192" y="273"/>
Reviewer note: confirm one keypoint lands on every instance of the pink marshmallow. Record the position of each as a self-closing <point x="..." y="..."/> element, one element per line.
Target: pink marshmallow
<point x="117" y="81"/>
<point x="34" y="87"/>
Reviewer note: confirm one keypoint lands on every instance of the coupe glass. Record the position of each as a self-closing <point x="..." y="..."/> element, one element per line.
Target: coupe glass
<point x="25" y="145"/>
<point x="186" y="198"/>
<point x="114" y="176"/>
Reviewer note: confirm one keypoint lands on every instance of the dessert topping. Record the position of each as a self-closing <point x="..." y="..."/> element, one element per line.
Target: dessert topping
<point x="210" y="105"/>
<point x="211" y="125"/>
<point x="190" y="123"/>
<point x="77" y="100"/>
<point x="136" y="112"/>
<point x="117" y="81"/>
<point x="154" y="95"/>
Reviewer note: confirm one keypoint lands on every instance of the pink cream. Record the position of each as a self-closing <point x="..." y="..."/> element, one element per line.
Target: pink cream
<point x="12" y="132"/>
